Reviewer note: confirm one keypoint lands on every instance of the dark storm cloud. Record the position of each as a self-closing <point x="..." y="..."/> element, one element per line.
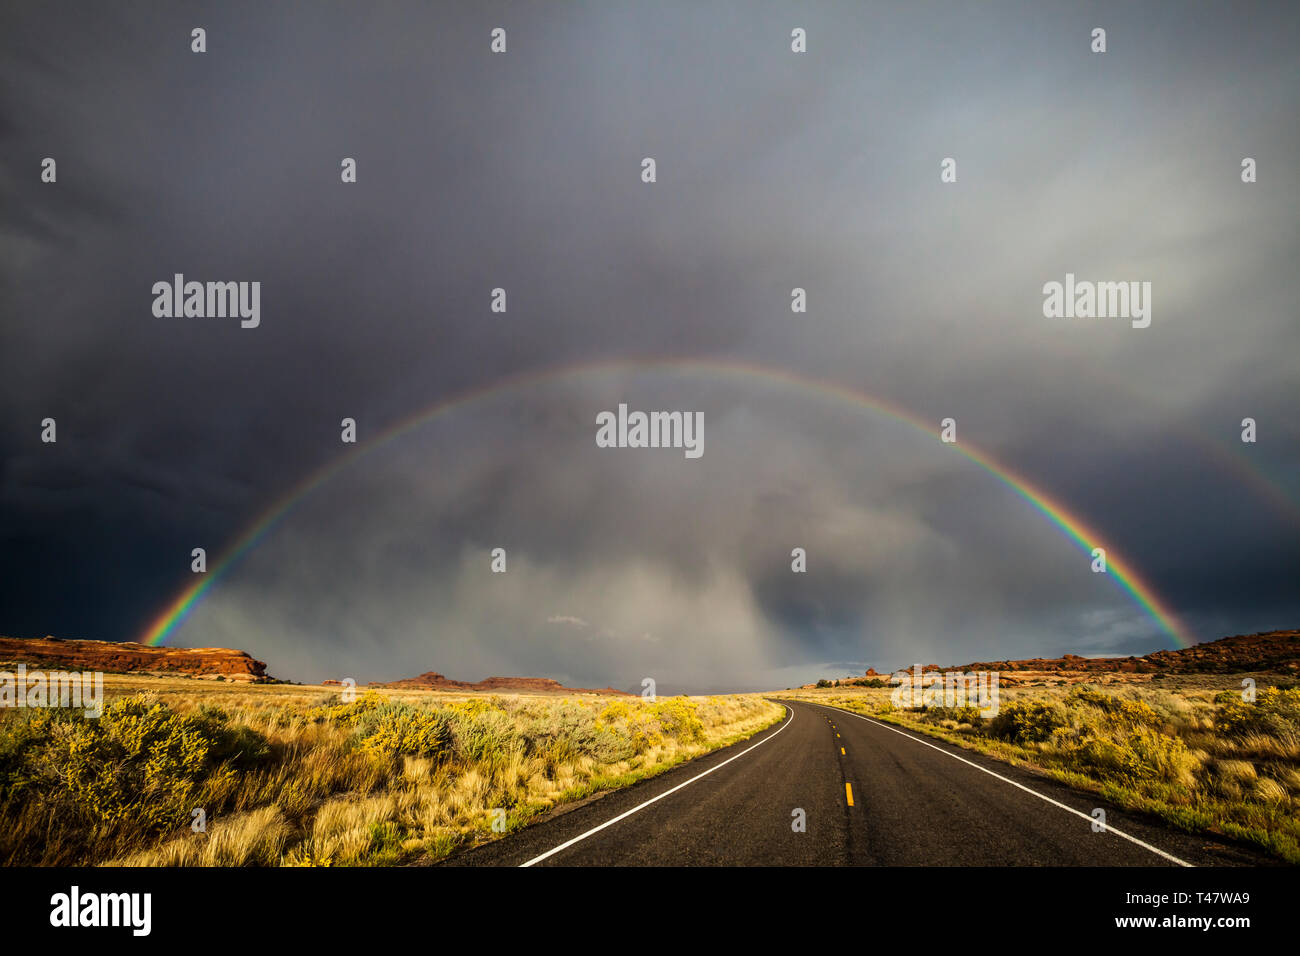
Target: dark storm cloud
<point x="521" y="171"/>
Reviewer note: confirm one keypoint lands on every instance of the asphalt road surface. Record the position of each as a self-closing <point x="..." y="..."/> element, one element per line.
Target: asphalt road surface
<point x="868" y="793"/>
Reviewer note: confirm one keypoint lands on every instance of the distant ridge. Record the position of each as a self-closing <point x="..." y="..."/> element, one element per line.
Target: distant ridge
<point x="223" y="663"/>
<point x="1267" y="651"/>
<point x="432" y="680"/>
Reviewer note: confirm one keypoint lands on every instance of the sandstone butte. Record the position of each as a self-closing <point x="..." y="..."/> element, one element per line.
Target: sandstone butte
<point x="209" y="663"/>
<point x="432" y="680"/>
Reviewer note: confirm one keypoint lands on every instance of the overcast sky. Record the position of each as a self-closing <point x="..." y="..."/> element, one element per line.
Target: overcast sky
<point x="522" y="170"/>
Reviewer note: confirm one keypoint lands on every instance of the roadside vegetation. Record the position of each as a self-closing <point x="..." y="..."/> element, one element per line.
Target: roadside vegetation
<point x="291" y="777"/>
<point x="1203" y="760"/>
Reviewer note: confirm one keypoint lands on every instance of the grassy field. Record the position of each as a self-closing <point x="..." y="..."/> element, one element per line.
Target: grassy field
<point x="1192" y="753"/>
<point x="293" y="776"/>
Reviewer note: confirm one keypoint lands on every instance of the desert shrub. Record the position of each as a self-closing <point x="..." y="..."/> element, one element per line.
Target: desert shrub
<point x="394" y="729"/>
<point x="476" y="706"/>
<point x="616" y="711"/>
<point x="139" y="763"/>
<point x="21" y="734"/>
<point x="485" y="736"/>
<point x="643" y="729"/>
<point x="679" y="717"/>
<point x="1140" y="755"/>
<point x="1274" y="713"/>
<point x="230" y="741"/>
<point x="1119" y="709"/>
<point x="1114" y="738"/>
<point x="1026" y="721"/>
<point x="567" y="732"/>
<point x="966" y="714"/>
<point x="337" y="711"/>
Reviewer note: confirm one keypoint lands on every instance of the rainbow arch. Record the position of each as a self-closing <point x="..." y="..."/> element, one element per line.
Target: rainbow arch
<point x="1074" y="528"/>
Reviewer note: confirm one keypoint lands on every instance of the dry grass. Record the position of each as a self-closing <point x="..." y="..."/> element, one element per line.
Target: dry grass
<point x="294" y="776"/>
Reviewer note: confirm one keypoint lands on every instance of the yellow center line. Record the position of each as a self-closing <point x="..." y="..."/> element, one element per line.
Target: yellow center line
<point x="848" y="791"/>
<point x="841" y="750"/>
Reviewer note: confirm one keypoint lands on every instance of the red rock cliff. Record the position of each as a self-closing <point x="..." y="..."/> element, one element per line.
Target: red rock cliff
<point x="128" y="657"/>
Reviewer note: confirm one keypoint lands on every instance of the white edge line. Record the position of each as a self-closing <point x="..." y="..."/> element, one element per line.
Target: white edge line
<point x="627" y="813"/>
<point x="1056" y="803"/>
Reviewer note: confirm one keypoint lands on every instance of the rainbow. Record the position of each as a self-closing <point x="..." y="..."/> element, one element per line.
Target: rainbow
<point x="175" y="614"/>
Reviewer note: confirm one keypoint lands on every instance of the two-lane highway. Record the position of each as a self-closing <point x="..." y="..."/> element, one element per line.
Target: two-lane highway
<point x="826" y="787"/>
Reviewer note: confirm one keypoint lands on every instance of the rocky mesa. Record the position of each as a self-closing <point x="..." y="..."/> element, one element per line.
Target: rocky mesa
<point x="1268" y="651"/>
<point x="209" y="663"/>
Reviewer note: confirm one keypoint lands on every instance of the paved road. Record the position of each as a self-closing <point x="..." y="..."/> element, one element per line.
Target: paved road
<point x="870" y="794"/>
